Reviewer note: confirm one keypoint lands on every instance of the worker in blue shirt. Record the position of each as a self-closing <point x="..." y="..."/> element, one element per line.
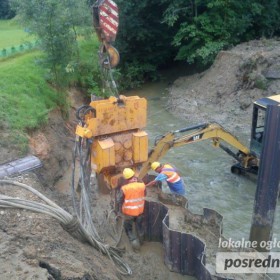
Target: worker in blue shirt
<point x="169" y="174"/>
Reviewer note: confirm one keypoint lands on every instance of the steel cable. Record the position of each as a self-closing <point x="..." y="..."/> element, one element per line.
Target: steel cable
<point x="108" y="80"/>
<point x="83" y="211"/>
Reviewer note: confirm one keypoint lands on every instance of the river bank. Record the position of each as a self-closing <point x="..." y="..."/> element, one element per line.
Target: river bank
<point x="226" y="91"/>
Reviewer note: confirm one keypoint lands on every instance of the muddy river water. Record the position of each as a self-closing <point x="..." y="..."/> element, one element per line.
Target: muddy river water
<point x="205" y="169"/>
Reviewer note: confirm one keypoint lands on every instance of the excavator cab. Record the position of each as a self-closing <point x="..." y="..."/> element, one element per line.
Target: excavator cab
<point x="257" y="133"/>
<point x="258" y="122"/>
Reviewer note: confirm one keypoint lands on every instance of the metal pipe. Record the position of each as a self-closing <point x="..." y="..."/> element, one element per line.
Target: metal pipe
<point x="199" y="126"/>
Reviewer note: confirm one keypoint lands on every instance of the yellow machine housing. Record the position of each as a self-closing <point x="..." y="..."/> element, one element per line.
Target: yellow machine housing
<point x="119" y="141"/>
<point x="103" y="154"/>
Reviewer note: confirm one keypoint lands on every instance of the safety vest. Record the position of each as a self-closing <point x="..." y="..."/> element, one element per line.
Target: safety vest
<point x="134" y="199"/>
<point x="170" y="172"/>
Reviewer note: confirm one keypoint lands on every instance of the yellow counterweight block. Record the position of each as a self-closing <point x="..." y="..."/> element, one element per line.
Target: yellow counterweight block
<point x="140" y="146"/>
<point x="102" y="154"/>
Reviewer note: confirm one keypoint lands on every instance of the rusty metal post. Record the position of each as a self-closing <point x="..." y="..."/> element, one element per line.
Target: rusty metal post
<point x="268" y="180"/>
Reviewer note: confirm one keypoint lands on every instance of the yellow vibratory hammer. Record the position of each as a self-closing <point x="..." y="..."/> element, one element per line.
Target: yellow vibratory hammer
<point x="115" y="126"/>
<point x="112" y="128"/>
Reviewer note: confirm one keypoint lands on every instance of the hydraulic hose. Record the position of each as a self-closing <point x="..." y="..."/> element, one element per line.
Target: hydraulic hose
<point x="83" y="208"/>
<point x="67" y="221"/>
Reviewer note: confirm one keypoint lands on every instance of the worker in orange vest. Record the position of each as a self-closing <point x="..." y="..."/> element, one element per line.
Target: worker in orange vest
<point x="132" y="200"/>
<point x="170" y="175"/>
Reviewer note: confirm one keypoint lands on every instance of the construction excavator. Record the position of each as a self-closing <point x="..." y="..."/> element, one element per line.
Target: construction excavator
<point x="247" y="159"/>
<point x="113" y="128"/>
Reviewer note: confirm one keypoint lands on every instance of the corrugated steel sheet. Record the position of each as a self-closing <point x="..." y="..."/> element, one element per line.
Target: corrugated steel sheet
<point x="183" y="252"/>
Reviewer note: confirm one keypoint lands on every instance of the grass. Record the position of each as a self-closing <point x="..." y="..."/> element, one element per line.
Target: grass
<point x="25" y="96"/>
<point x="12" y="35"/>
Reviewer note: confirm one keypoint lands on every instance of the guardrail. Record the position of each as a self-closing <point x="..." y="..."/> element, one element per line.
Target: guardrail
<point x="5" y="52"/>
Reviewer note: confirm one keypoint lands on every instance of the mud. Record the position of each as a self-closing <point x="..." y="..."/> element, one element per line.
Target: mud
<point x="226" y="91"/>
<point x="35" y="246"/>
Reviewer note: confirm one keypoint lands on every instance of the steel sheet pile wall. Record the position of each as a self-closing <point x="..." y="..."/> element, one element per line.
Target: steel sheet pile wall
<point x="183" y="252"/>
<point x="154" y="215"/>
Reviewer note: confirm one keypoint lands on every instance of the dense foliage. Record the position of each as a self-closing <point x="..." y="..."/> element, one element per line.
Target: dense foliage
<point x="208" y="26"/>
<point x="144" y="42"/>
<point x="56" y="25"/>
<point x="152" y="33"/>
<point x="5" y="10"/>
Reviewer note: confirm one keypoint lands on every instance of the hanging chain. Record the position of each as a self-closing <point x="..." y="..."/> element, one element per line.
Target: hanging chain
<point x="108" y="82"/>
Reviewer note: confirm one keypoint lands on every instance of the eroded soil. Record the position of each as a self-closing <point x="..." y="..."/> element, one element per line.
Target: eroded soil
<point x="226" y="91"/>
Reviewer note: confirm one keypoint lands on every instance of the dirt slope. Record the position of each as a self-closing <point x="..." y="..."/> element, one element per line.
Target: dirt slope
<point x="225" y="92"/>
<point x="35" y="246"/>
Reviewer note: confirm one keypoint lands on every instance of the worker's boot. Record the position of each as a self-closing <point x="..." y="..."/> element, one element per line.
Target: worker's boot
<point x="140" y="228"/>
<point x="135" y="245"/>
<point x="134" y="241"/>
<point x="131" y="236"/>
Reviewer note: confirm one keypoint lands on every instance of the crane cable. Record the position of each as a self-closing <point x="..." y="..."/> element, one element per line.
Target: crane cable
<point x="106" y="70"/>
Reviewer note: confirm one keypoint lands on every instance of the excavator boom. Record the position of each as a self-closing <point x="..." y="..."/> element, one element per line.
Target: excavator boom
<point x="197" y="133"/>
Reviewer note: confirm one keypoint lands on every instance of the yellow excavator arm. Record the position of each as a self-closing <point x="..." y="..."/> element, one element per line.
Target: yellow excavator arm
<point x="197" y="133"/>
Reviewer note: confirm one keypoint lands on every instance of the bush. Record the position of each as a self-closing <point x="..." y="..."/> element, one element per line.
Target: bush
<point x="4" y="52"/>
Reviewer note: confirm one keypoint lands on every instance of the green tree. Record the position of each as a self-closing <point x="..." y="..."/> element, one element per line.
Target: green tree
<point x="204" y="27"/>
<point x="5" y="10"/>
<point x="56" y="24"/>
<point x="144" y="42"/>
<point x="266" y="18"/>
